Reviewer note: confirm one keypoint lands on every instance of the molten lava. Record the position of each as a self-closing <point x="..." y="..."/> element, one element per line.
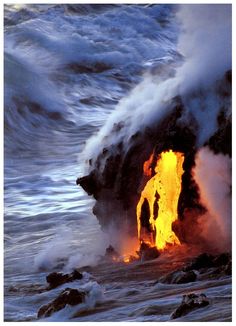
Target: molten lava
<point x="157" y="207"/>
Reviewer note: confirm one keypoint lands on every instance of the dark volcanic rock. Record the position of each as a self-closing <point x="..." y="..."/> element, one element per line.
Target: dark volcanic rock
<point x="68" y="296"/>
<point x="219" y="264"/>
<point x="190" y="302"/>
<point x="202" y="261"/>
<point x="98" y="67"/>
<point x="117" y="173"/>
<point x="228" y="268"/>
<point x="208" y="267"/>
<point x="55" y="279"/>
<point x="111" y="253"/>
<point x="222" y="259"/>
<point x="221" y="141"/>
<point x="90" y="184"/>
<point x="116" y="176"/>
<point x="147" y="253"/>
<point x="179" y="277"/>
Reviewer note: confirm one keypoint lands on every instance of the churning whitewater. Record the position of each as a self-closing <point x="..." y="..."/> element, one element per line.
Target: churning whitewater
<point x="82" y="82"/>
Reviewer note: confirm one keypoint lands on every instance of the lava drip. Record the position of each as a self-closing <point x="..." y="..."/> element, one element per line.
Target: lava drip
<point x="157" y="207"/>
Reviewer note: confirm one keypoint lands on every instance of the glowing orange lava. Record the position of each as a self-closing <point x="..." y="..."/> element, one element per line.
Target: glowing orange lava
<point x="126" y="259"/>
<point x="157" y="207"/>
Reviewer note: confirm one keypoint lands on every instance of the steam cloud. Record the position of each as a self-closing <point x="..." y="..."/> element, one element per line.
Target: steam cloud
<point x="59" y="251"/>
<point x="205" y="43"/>
<point x="213" y="176"/>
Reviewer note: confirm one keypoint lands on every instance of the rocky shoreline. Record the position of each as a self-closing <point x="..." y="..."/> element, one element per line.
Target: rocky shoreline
<point x="203" y="267"/>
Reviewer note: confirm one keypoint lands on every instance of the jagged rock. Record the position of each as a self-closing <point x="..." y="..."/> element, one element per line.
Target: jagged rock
<point x="116" y="176"/>
<point x="202" y="261"/>
<point x="68" y="296"/>
<point x="147" y="253"/>
<point x="55" y="279"/>
<point x="179" y="277"/>
<point x="132" y="258"/>
<point x="222" y="259"/>
<point x="208" y="267"/>
<point x="205" y="261"/>
<point x="111" y="253"/>
<point x="228" y="268"/>
<point x="190" y="302"/>
<point x="90" y="184"/>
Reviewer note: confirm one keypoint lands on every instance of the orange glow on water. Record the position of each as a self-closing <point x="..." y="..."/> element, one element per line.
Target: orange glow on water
<point x="157" y="207"/>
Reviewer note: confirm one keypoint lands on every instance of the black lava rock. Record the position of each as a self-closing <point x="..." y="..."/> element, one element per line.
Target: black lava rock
<point x="56" y="279"/>
<point x="68" y="296"/>
<point x="111" y="253"/>
<point x="217" y="265"/>
<point x="190" y="302"/>
<point x="202" y="261"/>
<point x="222" y="259"/>
<point x="147" y="253"/>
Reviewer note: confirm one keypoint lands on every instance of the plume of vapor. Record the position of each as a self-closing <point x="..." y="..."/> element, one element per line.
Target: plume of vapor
<point x="212" y="173"/>
<point x="205" y="42"/>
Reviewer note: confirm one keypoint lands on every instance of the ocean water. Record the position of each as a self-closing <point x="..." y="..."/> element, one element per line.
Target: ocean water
<point x="66" y="67"/>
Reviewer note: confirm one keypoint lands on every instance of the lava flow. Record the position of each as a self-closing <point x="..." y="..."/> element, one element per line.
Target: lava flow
<point x="157" y="207"/>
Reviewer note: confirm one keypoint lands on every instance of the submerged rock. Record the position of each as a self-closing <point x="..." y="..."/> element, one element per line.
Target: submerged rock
<point x="68" y="296"/>
<point x="86" y="68"/>
<point x="56" y="279"/>
<point x="190" y="302"/>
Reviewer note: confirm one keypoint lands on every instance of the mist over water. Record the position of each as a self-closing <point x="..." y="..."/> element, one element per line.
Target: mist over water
<point x="70" y="71"/>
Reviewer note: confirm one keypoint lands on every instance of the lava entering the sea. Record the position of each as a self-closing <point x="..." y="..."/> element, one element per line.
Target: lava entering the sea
<point x="157" y="207"/>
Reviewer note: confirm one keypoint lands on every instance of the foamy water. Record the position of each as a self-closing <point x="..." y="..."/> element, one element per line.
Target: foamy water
<point x="66" y="68"/>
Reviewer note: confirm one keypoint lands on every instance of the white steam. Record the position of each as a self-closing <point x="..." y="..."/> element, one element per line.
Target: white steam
<point x="212" y="173"/>
<point x="205" y="42"/>
<point x="124" y="243"/>
<point x="65" y="251"/>
<point x="54" y="252"/>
